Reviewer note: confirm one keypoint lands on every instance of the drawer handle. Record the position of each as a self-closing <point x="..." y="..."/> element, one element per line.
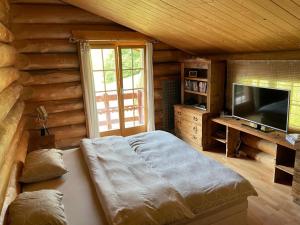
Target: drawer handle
<point x="195" y="118"/>
<point x="194" y="137"/>
<point x="195" y="129"/>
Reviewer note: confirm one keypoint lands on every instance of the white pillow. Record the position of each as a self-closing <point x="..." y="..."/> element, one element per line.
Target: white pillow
<point x="38" y="208"/>
<point x="43" y="165"/>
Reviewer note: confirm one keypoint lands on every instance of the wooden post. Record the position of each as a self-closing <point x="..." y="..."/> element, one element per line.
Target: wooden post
<point x="233" y="139"/>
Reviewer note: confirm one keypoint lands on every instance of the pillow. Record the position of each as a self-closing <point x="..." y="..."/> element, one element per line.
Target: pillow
<point x="43" y="165"/>
<point x="38" y="208"/>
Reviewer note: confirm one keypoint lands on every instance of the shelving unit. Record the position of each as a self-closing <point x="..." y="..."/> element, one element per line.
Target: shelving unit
<point x="283" y="163"/>
<point x="202" y="83"/>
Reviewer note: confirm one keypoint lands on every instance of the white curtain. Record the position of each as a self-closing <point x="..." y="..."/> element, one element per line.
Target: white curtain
<point x="89" y="90"/>
<point x="150" y="87"/>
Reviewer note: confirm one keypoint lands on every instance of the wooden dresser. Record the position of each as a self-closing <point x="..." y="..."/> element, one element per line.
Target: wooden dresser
<point x="190" y="125"/>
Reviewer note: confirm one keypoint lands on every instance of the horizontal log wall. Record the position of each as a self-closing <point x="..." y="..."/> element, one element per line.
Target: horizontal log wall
<point x="12" y="124"/>
<point x="52" y="77"/>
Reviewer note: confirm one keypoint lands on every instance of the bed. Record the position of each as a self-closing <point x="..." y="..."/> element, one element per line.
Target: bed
<point x="84" y="204"/>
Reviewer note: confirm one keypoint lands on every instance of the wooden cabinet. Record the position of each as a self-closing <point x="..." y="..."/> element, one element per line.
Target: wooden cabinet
<point x="190" y="125"/>
<point x="202" y="96"/>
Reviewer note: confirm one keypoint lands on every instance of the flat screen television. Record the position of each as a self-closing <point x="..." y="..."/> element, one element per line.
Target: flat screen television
<point x="264" y="106"/>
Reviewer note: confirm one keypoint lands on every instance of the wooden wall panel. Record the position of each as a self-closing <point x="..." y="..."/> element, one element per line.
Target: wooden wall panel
<point x="5" y="34"/>
<point x="56" y="31"/>
<point x="37" y="13"/>
<point x="282" y="74"/>
<point x="45" y="46"/>
<point x="11" y="104"/>
<point x="52" y="77"/>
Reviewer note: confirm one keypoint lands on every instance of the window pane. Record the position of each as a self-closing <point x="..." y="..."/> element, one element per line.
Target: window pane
<point x="138" y="57"/>
<point x="127" y="99"/>
<point x="127" y="79"/>
<point x="100" y="102"/>
<point x="99" y="81"/>
<point x="109" y="59"/>
<point x="128" y="117"/>
<point x="126" y="57"/>
<point x="110" y="80"/>
<point x="108" y="110"/>
<point x="138" y="78"/>
<point x="97" y="59"/>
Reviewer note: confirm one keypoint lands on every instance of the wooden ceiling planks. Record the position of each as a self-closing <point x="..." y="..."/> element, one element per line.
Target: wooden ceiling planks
<point x="208" y="26"/>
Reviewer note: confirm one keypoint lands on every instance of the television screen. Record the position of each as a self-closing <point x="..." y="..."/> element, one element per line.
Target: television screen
<point x="264" y="106"/>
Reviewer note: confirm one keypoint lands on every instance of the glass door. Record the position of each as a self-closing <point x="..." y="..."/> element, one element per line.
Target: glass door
<point x="132" y="70"/>
<point x="106" y="90"/>
<point x="119" y="78"/>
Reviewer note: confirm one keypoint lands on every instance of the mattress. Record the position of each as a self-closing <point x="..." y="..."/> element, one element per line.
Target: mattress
<point x="82" y="205"/>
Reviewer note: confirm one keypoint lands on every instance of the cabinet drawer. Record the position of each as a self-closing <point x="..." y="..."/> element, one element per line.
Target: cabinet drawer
<point x="178" y="112"/>
<point x="192" y="117"/>
<point x="190" y="128"/>
<point x="192" y="139"/>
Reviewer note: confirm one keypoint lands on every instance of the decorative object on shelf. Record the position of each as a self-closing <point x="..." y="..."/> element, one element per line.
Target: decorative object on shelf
<point x="188" y="85"/>
<point x="200" y="106"/>
<point x="293" y="138"/>
<point x="193" y="73"/>
<point x="42" y="117"/>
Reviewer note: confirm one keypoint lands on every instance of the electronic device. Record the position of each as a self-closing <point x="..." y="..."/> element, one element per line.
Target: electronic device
<point x="266" y="107"/>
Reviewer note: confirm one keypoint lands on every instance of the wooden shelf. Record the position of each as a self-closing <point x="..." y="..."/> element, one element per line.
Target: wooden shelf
<point x="286" y="169"/>
<point x="196" y="79"/>
<point x="222" y="140"/>
<point x="195" y="92"/>
<point x="276" y="137"/>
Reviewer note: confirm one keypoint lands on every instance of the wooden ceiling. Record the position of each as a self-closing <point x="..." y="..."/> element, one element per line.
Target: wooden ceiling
<point x="208" y="26"/>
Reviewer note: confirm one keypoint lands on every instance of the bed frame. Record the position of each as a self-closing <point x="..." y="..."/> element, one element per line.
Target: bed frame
<point x="236" y="215"/>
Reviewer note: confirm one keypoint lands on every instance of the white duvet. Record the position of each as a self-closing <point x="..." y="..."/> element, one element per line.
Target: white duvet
<point x="155" y="178"/>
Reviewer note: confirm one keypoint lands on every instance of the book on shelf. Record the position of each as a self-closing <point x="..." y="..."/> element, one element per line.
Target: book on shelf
<point x="202" y="87"/>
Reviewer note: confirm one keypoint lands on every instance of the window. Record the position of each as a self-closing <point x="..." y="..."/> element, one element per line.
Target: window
<point x="120" y="88"/>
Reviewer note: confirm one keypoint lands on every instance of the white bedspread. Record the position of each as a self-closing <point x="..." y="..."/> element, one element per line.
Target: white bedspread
<point x="155" y="178"/>
<point x="130" y="192"/>
<point x="203" y="182"/>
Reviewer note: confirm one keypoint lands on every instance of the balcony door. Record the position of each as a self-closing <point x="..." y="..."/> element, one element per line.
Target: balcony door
<point x="120" y="88"/>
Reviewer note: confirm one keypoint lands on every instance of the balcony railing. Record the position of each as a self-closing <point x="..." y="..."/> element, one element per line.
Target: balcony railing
<point x="106" y="98"/>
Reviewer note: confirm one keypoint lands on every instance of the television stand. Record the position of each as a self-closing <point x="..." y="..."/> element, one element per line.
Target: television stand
<point x="258" y="127"/>
<point x="284" y="160"/>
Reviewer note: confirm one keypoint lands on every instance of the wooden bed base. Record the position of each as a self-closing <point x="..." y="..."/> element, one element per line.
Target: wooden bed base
<point x="230" y="216"/>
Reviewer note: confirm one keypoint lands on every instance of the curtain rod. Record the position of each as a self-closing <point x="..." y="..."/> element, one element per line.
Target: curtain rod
<point x="76" y="40"/>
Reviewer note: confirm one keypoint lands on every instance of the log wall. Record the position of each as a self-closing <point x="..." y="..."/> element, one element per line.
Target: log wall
<point x="13" y="135"/>
<point x="42" y="29"/>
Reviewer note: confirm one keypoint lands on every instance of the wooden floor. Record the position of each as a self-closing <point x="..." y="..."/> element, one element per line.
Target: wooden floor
<point x="274" y="204"/>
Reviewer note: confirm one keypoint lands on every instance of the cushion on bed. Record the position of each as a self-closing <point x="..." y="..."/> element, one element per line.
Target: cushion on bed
<point x="38" y="208"/>
<point x="43" y="165"/>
